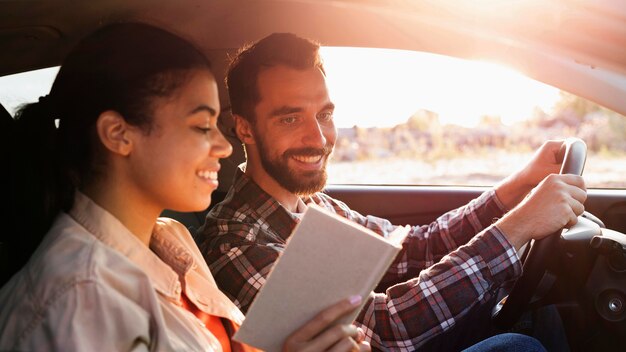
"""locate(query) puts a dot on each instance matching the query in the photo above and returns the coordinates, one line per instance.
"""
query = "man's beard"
(300, 183)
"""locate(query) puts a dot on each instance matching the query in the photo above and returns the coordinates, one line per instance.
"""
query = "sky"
(385, 87)
(25, 87)
(382, 87)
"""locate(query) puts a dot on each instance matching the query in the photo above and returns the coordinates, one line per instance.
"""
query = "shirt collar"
(261, 206)
(300, 208)
(109, 230)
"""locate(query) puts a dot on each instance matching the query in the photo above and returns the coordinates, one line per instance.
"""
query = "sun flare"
(378, 87)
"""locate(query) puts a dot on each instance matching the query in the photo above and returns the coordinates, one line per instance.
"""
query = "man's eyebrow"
(285, 110)
(203, 107)
(329, 106)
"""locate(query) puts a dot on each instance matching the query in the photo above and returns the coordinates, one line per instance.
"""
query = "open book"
(328, 258)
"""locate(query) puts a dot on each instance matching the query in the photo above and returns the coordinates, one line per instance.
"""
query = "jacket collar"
(109, 230)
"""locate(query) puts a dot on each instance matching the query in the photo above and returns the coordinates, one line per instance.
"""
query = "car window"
(409, 118)
(25, 87)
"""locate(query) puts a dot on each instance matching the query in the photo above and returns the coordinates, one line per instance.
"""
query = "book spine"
(368, 285)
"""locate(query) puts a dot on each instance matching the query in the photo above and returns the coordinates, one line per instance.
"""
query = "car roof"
(576, 45)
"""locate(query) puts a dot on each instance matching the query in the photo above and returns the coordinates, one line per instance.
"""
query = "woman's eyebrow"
(200, 108)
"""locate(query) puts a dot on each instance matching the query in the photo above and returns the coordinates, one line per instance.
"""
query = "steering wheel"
(510, 308)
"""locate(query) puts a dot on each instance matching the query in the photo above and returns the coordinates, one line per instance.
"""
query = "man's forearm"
(411, 313)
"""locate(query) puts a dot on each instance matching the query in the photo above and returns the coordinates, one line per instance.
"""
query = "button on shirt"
(444, 269)
(93, 286)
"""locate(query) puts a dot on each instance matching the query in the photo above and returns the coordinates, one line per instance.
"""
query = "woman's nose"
(220, 147)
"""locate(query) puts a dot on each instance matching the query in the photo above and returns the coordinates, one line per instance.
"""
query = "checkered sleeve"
(240, 271)
(428, 244)
(409, 314)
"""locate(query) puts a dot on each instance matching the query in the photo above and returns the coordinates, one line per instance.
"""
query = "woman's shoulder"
(63, 255)
(67, 264)
(67, 256)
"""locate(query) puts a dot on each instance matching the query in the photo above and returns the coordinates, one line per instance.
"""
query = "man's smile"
(307, 159)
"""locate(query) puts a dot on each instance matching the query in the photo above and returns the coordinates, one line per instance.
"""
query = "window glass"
(26, 87)
(414, 118)
(410, 118)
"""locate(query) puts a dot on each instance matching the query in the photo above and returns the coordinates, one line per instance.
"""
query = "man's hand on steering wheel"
(554, 204)
(546, 160)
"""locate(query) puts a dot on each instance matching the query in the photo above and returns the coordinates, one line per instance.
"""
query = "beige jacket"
(93, 286)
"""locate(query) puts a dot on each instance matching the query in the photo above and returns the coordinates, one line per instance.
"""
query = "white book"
(328, 258)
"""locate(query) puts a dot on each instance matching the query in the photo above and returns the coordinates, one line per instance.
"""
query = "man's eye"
(325, 116)
(288, 120)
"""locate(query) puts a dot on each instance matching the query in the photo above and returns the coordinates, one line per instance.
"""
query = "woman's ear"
(243, 129)
(114, 132)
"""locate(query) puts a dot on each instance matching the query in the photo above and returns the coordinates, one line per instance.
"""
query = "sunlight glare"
(383, 87)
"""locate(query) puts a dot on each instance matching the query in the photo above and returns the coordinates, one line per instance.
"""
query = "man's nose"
(313, 134)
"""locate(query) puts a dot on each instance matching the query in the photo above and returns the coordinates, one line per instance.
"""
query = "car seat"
(6, 134)
(24, 206)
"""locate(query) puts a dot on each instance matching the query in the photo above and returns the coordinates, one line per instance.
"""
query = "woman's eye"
(204, 130)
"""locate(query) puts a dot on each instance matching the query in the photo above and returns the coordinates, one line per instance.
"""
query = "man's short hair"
(276, 49)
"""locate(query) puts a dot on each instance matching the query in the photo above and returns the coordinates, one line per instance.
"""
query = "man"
(446, 271)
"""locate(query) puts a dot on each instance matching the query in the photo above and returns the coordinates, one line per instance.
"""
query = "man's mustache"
(309, 151)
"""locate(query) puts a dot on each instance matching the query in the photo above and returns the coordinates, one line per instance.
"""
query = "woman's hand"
(319, 335)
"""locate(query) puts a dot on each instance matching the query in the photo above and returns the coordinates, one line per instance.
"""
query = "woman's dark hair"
(120, 67)
(276, 49)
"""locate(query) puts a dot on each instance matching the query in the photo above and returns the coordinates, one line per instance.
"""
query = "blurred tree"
(423, 120)
(572, 104)
(490, 121)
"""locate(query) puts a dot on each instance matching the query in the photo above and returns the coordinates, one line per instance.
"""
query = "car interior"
(578, 46)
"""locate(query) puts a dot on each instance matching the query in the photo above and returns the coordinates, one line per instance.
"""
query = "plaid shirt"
(444, 269)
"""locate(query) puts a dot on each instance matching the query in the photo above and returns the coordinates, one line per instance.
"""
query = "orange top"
(215, 325)
(212, 322)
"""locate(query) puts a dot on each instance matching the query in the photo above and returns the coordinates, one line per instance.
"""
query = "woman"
(137, 110)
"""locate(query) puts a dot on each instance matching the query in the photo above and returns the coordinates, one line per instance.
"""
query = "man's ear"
(114, 132)
(243, 129)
